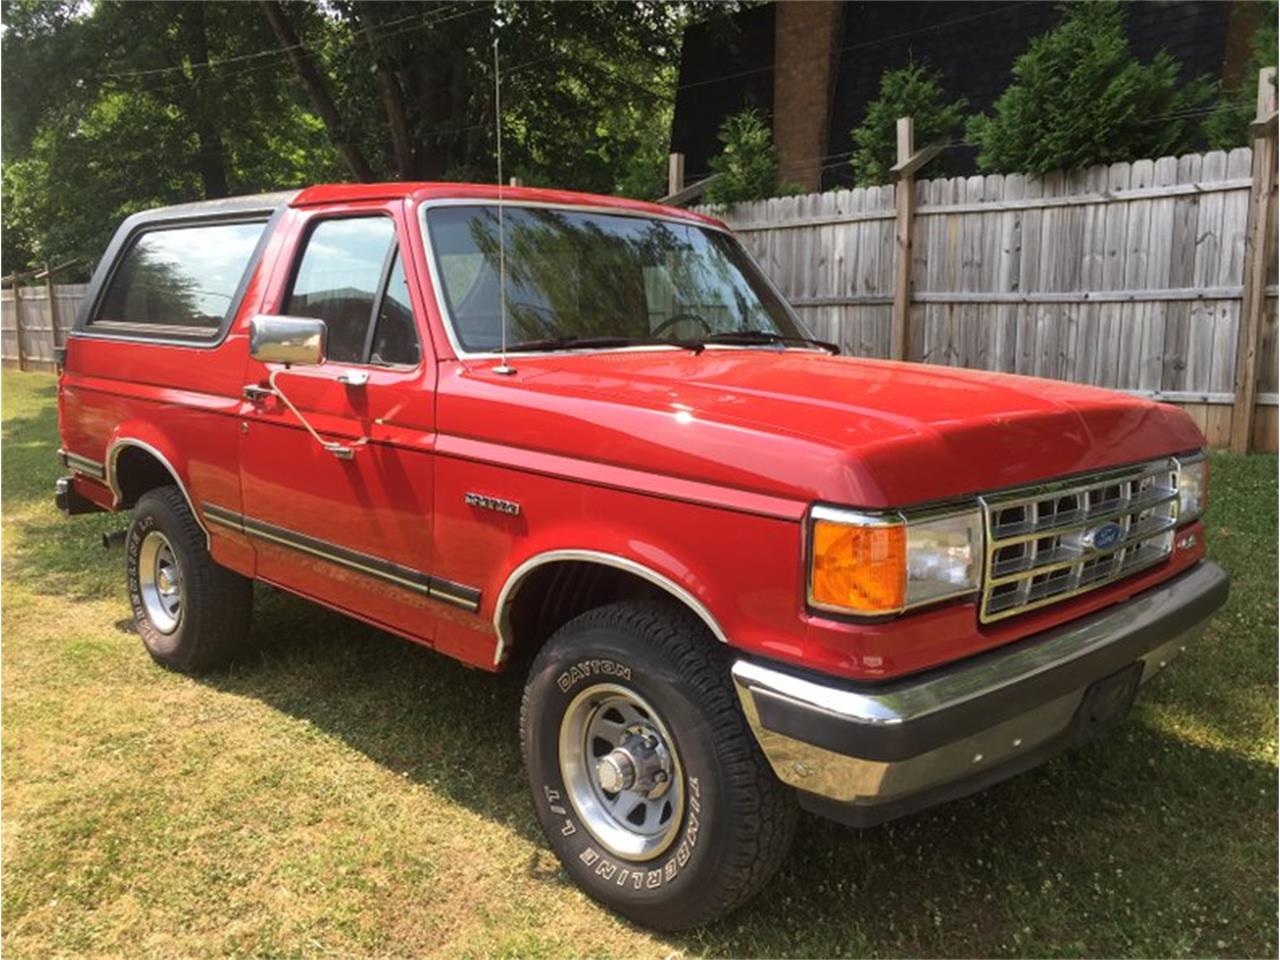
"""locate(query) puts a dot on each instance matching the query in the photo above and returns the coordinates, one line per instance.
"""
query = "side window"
(180, 280)
(341, 280)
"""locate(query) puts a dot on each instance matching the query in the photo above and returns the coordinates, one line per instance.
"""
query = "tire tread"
(764, 809)
(219, 602)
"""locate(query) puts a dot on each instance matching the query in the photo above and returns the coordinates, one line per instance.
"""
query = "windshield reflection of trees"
(577, 275)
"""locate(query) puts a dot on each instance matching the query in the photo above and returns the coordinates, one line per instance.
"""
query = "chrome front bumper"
(866, 753)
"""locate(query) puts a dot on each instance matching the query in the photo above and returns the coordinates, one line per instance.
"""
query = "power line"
(450, 12)
(225, 76)
(447, 13)
(430, 18)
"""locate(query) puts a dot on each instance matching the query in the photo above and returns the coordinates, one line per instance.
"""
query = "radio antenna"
(502, 367)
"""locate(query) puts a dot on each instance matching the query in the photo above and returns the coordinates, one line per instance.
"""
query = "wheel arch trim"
(506, 596)
(113, 481)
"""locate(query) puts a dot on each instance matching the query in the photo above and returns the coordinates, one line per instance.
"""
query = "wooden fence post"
(17, 319)
(53, 305)
(1262, 211)
(904, 195)
(675, 173)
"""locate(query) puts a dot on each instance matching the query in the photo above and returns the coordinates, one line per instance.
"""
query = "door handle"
(255, 393)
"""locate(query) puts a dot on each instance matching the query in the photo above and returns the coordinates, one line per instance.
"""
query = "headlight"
(1193, 476)
(877, 564)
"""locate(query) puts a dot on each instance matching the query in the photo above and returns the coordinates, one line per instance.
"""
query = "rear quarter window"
(179, 280)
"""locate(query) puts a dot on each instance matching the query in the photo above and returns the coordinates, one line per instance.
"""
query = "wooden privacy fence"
(34, 321)
(1130, 276)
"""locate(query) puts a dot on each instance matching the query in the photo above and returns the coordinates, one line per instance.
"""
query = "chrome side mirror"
(287, 340)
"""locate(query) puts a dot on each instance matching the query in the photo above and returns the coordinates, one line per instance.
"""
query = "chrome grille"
(1058, 540)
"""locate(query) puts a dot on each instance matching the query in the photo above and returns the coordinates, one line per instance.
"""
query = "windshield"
(583, 274)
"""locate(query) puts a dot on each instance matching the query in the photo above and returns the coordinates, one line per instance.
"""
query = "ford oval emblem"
(1104, 537)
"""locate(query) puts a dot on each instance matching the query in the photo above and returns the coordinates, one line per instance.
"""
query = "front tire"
(646, 779)
(192, 614)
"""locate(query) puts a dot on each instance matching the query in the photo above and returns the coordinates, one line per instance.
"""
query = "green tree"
(1080, 97)
(1228, 125)
(746, 168)
(114, 106)
(916, 91)
(408, 87)
(121, 106)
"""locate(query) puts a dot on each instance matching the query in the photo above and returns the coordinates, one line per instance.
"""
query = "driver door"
(349, 529)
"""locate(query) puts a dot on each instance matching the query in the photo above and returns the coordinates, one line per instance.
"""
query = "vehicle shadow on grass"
(967, 878)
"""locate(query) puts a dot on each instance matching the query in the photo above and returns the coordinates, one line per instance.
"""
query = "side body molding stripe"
(85, 465)
(436, 588)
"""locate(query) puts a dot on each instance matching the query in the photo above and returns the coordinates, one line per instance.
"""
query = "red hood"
(805, 426)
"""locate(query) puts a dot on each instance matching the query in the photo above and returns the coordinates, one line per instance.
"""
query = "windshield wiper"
(600, 343)
(696, 345)
(750, 337)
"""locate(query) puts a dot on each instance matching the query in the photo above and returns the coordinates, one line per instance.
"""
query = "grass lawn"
(346, 793)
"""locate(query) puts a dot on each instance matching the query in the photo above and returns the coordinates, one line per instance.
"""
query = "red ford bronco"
(587, 433)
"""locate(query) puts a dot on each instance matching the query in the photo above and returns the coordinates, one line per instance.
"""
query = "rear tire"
(639, 690)
(192, 614)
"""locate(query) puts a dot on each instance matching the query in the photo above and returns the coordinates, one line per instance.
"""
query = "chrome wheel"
(160, 582)
(621, 771)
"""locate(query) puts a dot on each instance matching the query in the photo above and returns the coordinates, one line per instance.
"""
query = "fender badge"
(492, 503)
(1187, 541)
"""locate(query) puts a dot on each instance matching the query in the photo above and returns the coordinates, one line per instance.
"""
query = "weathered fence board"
(37, 323)
(1127, 276)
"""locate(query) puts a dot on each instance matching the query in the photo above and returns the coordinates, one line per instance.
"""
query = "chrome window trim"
(442, 307)
(506, 596)
(883, 518)
(397, 251)
(207, 214)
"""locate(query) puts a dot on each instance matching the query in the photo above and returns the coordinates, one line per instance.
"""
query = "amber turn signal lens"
(862, 569)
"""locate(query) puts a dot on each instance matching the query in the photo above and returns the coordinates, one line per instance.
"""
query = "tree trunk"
(211, 160)
(438, 94)
(310, 76)
(392, 101)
